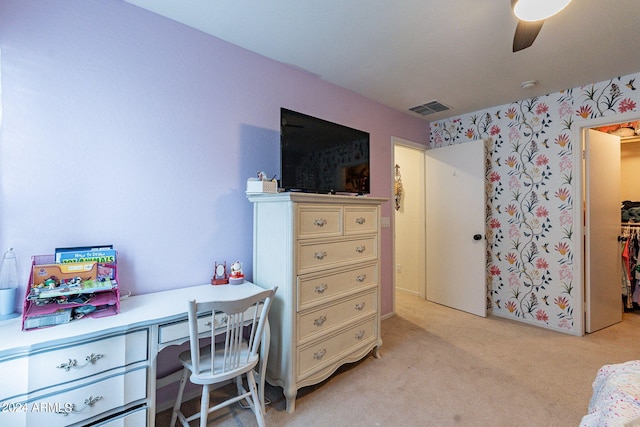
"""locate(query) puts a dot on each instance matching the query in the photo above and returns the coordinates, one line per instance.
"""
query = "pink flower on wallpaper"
(542, 108)
(565, 324)
(511, 161)
(542, 160)
(513, 280)
(495, 270)
(562, 248)
(511, 306)
(511, 112)
(566, 163)
(495, 130)
(561, 302)
(494, 177)
(512, 209)
(566, 218)
(584, 111)
(562, 140)
(494, 223)
(470, 133)
(514, 231)
(542, 212)
(563, 194)
(514, 182)
(511, 258)
(565, 273)
(542, 316)
(564, 109)
(514, 134)
(626, 105)
(542, 264)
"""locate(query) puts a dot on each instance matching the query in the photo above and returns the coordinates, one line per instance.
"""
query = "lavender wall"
(122, 127)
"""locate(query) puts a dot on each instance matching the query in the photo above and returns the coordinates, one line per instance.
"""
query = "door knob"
(477, 237)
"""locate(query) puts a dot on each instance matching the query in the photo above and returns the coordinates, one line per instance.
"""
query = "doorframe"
(395, 141)
(578, 135)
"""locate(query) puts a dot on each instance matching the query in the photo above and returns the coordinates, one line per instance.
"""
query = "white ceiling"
(408, 52)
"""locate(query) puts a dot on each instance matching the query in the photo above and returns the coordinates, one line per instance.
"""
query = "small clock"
(220, 274)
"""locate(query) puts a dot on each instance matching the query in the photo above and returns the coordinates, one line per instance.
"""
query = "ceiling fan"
(531, 15)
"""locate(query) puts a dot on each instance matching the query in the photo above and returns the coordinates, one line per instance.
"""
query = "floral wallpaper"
(529, 189)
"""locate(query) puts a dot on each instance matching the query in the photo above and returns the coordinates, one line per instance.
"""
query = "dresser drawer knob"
(361, 220)
(361, 249)
(320, 255)
(360, 334)
(318, 355)
(321, 288)
(361, 278)
(320, 321)
(73, 363)
(360, 306)
(321, 222)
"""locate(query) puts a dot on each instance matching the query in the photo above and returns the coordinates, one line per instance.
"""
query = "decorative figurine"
(220, 274)
(236, 277)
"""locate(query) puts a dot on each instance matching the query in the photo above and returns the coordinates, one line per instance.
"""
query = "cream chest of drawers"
(323, 253)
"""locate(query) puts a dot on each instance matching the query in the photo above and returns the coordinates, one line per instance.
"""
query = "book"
(99, 254)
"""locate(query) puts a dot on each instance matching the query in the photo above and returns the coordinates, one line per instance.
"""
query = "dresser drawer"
(311, 323)
(315, 289)
(360, 220)
(88, 401)
(318, 221)
(318, 255)
(70, 363)
(318, 355)
(134, 418)
(15, 381)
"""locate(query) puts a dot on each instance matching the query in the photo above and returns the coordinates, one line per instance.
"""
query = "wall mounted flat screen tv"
(319, 156)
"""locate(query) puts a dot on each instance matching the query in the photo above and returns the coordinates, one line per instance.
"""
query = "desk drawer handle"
(73, 363)
(321, 288)
(320, 255)
(361, 249)
(361, 220)
(89, 402)
(361, 278)
(360, 306)
(321, 222)
(320, 320)
(318, 355)
(360, 334)
(223, 322)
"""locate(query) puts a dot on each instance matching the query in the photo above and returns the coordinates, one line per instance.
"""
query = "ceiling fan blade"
(526, 33)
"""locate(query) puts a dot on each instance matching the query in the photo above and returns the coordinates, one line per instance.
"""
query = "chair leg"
(257, 402)
(176, 406)
(204, 406)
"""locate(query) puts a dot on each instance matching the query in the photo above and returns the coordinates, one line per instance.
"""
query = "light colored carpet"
(443, 367)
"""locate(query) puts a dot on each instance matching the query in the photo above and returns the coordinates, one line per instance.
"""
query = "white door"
(456, 226)
(603, 301)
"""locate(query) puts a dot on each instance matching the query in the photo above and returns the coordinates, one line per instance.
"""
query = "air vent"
(430, 107)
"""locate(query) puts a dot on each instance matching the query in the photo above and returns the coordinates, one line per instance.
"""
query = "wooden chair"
(233, 356)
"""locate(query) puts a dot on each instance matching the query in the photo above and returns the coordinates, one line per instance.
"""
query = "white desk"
(93, 369)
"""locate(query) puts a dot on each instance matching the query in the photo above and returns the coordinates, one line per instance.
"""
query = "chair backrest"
(236, 326)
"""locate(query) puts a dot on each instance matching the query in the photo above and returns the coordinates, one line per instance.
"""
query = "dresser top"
(292, 196)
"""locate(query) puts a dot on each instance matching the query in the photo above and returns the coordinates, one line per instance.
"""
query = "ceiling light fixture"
(528, 84)
(537, 10)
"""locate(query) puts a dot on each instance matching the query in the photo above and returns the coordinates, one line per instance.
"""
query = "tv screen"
(322, 157)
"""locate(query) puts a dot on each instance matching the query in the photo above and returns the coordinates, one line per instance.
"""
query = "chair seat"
(206, 376)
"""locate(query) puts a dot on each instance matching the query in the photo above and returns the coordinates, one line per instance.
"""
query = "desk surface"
(135, 311)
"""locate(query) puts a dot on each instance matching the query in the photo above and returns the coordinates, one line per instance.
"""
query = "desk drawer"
(314, 289)
(70, 363)
(15, 380)
(179, 331)
(323, 319)
(319, 355)
(318, 255)
(88, 401)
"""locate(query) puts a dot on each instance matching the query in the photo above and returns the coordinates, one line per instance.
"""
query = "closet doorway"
(601, 221)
